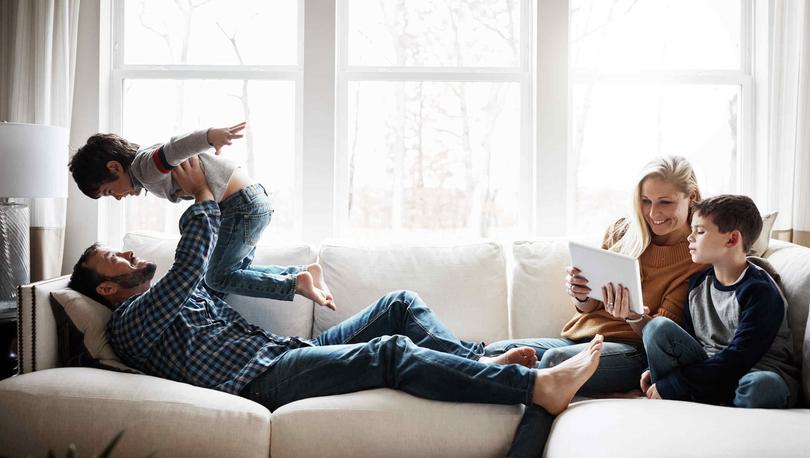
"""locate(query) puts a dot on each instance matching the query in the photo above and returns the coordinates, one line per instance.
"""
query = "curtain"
(37, 63)
(788, 174)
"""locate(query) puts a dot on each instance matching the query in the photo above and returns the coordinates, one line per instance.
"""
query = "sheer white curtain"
(788, 174)
(37, 64)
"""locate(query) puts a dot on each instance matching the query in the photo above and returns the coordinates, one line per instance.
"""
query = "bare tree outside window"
(215, 38)
(641, 88)
(436, 148)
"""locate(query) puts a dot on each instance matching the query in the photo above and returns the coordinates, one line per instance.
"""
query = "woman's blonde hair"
(632, 235)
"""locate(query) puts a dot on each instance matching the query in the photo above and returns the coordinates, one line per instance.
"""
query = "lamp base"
(14, 249)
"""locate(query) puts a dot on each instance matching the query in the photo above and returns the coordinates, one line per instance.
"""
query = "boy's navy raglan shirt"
(741, 327)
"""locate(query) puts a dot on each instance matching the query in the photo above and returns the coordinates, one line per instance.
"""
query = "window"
(650, 78)
(438, 118)
(189, 64)
(436, 97)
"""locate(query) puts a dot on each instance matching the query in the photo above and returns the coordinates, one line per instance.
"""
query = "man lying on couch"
(181, 330)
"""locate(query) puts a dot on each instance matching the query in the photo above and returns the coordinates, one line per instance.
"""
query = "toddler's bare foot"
(305, 286)
(525, 356)
(555, 387)
(317, 277)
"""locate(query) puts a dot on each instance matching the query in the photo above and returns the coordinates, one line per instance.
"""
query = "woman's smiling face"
(665, 208)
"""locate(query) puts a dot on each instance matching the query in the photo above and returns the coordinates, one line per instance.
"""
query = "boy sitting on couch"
(735, 347)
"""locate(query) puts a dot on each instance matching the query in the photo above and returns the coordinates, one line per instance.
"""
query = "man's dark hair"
(89, 165)
(733, 212)
(85, 279)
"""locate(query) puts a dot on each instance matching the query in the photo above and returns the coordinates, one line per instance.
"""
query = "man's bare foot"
(555, 387)
(525, 356)
(305, 286)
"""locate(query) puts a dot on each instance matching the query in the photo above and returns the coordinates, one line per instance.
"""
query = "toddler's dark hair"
(89, 165)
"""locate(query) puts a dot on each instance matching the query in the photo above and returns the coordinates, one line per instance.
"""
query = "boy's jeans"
(398, 343)
(669, 346)
(619, 369)
(245, 214)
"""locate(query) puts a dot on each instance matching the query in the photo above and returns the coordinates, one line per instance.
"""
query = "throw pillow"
(83, 337)
(760, 245)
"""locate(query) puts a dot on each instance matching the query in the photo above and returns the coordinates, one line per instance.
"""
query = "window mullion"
(552, 119)
(318, 116)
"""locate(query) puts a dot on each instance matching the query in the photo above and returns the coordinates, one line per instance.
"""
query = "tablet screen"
(601, 267)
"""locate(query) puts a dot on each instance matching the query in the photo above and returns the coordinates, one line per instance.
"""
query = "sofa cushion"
(88, 407)
(465, 283)
(386, 422)
(539, 306)
(644, 428)
(793, 263)
(280, 317)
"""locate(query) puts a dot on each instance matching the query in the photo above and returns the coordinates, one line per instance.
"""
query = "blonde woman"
(655, 232)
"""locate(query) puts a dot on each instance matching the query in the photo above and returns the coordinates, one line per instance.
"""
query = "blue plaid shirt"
(181, 330)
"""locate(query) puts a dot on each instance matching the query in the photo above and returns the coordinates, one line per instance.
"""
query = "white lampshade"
(33, 160)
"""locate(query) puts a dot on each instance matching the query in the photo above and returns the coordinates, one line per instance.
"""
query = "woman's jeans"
(620, 369)
(669, 346)
(398, 343)
(245, 214)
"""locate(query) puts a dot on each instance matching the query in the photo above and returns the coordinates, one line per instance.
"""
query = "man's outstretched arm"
(144, 319)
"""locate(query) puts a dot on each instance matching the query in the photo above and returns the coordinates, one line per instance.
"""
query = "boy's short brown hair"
(732, 212)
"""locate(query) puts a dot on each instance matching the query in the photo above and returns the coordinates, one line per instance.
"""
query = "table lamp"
(33, 163)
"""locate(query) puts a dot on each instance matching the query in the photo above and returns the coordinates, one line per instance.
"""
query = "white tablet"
(601, 267)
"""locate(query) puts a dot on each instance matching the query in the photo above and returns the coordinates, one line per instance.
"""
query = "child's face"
(119, 187)
(665, 208)
(707, 245)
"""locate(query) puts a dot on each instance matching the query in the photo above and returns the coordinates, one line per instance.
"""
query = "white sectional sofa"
(482, 290)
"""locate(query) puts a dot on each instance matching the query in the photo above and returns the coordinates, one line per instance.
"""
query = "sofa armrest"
(36, 326)
(50, 409)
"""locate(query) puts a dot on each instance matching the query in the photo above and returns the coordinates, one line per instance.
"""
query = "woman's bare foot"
(556, 386)
(525, 356)
(305, 286)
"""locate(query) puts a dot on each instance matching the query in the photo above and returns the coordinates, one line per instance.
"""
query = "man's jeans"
(619, 369)
(245, 214)
(669, 346)
(398, 343)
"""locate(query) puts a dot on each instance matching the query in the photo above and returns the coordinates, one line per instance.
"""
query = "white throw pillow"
(90, 319)
(760, 245)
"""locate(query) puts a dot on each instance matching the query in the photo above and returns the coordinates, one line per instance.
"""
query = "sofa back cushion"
(539, 306)
(793, 264)
(284, 318)
(465, 284)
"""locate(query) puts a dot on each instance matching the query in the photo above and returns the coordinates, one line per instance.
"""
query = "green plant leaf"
(109, 448)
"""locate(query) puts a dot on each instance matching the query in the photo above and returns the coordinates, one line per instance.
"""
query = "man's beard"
(137, 278)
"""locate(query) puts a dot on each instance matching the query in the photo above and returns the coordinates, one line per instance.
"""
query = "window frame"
(112, 213)
(322, 76)
(743, 177)
(347, 74)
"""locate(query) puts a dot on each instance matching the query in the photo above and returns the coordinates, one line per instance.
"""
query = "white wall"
(81, 225)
